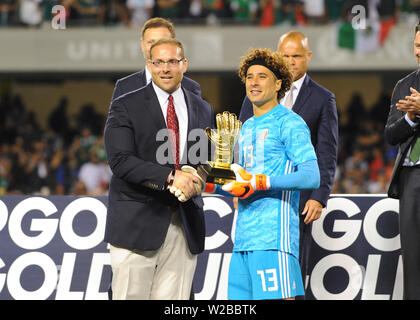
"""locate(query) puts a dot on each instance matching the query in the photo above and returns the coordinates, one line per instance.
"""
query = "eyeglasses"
(173, 63)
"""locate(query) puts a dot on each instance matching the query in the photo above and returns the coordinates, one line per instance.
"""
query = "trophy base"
(212, 174)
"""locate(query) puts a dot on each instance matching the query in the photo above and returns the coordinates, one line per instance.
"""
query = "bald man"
(316, 105)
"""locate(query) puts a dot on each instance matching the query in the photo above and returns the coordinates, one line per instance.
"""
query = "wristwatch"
(171, 179)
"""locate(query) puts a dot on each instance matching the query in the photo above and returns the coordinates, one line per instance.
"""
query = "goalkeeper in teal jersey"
(276, 160)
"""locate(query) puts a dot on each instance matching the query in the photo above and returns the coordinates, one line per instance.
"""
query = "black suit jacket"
(137, 80)
(139, 205)
(316, 105)
(398, 131)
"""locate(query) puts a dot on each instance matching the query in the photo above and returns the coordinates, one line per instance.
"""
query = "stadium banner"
(87, 49)
(52, 248)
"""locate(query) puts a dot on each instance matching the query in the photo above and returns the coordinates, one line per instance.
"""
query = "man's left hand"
(312, 210)
(246, 183)
(411, 104)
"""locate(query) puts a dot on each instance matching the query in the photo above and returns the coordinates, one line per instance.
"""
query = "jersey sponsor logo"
(263, 135)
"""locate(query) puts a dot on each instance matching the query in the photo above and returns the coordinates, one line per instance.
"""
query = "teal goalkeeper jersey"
(272, 144)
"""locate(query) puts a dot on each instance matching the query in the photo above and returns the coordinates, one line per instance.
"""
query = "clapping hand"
(411, 104)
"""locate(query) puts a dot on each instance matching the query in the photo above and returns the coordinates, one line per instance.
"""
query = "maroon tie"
(173, 126)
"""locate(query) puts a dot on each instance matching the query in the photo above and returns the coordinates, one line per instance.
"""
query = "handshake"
(186, 184)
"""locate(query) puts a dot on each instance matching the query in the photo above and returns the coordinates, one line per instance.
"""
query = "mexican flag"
(367, 39)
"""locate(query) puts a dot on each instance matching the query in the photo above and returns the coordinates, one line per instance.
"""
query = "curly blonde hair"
(271, 60)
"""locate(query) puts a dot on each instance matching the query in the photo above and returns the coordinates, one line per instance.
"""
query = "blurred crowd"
(68, 157)
(133, 13)
(365, 160)
(62, 159)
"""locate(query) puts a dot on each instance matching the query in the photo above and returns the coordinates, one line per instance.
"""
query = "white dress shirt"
(148, 75)
(181, 112)
(407, 161)
(297, 85)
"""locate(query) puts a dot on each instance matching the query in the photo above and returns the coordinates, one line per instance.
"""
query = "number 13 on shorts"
(264, 274)
(269, 279)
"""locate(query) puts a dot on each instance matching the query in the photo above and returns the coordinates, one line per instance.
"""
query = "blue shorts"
(265, 274)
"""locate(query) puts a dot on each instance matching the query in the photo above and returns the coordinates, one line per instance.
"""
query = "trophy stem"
(221, 165)
(212, 173)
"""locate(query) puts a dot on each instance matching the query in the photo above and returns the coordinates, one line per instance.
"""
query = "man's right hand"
(186, 183)
(411, 104)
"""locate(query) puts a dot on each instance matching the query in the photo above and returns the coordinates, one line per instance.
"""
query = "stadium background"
(56, 83)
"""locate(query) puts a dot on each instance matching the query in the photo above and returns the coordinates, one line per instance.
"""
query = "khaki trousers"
(163, 274)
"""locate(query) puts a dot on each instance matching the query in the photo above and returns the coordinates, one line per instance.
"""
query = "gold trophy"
(224, 139)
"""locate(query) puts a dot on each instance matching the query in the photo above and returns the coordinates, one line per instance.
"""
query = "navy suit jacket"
(316, 105)
(398, 131)
(137, 80)
(139, 205)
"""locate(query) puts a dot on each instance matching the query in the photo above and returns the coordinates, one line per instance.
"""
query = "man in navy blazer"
(316, 105)
(154, 237)
(402, 129)
(153, 30)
